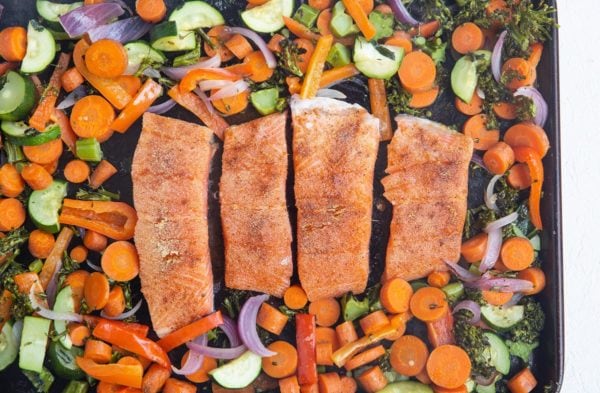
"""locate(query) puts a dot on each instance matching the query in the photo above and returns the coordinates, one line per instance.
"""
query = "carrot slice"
(408, 355)
(397, 321)
(116, 302)
(283, 363)
(441, 332)
(337, 74)
(176, 386)
(130, 83)
(426, 30)
(12, 214)
(36, 176)
(289, 385)
(102, 173)
(517, 253)
(271, 319)
(91, 117)
(505, 110)
(518, 72)
(467, 38)
(535, 54)
(145, 97)
(428, 304)
(373, 380)
(218, 37)
(536, 276)
(201, 375)
(395, 295)
(45, 153)
(449, 366)
(473, 107)
(365, 357)
(327, 335)
(11, 182)
(356, 11)
(519, 177)
(95, 241)
(348, 384)
(374, 322)
(155, 378)
(79, 254)
(476, 128)
(71, 79)
(417, 72)
(151, 11)
(78, 333)
(438, 279)
(106, 58)
(499, 158)
(319, 4)
(496, 298)
(76, 281)
(96, 291)
(308, 49)
(40, 243)
(295, 297)
(424, 99)
(120, 261)
(401, 40)
(232, 105)
(329, 383)
(6, 302)
(76, 171)
(239, 46)
(13, 43)
(523, 382)
(323, 21)
(346, 333)
(529, 135)
(473, 249)
(97, 351)
(324, 352)
(326, 311)
(274, 44)
(191, 331)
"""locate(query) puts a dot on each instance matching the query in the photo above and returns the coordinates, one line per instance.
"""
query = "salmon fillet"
(335, 147)
(256, 226)
(427, 184)
(170, 190)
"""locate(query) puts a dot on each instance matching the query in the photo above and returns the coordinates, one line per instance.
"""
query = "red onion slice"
(492, 250)
(214, 84)
(124, 315)
(461, 273)
(177, 73)
(84, 18)
(194, 360)
(541, 107)
(122, 4)
(331, 93)
(49, 314)
(489, 196)
(205, 100)
(497, 56)
(476, 159)
(514, 300)
(218, 353)
(162, 107)
(124, 30)
(501, 284)
(230, 91)
(402, 13)
(72, 98)
(93, 266)
(247, 326)
(1, 10)
(258, 41)
(229, 327)
(469, 305)
(501, 222)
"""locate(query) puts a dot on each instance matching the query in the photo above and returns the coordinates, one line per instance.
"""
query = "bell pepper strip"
(109, 88)
(343, 354)
(306, 342)
(136, 328)
(129, 341)
(299, 30)
(357, 13)
(312, 79)
(191, 79)
(5, 67)
(337, 74)
(45, 109)
(144, 98)
(194, 104)
(66, 131)
(191, 331)
(533, 160)
(440, 332)
(55, 258)
(379, 107)
(119, 374)
(425, 30)
(113, 219)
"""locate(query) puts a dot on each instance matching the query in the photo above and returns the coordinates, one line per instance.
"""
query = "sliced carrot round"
(496, 298)
(326, 311)
(473, 107)
(94, 241)
(12, 214)
(429, 304)
(536, 276)
(120, 261)
(96, 291)
(283, 363)
(116, 302)
(449, 366)
(13, 43)
(40, 243)
(417, 72)
(517, 253)
(218, 37)
(467, 38)
(232, 105)
(424, 99)
(295, 297)
(528, 135)
(473, 249)
(408, 355)
(91, 117)
(79, 254)
(519, 177)
(505, 110)
(476, 128)
(45, 153)
(106, 58)
(76, 171)
(518, 72)
(395, 295)
(499, 158)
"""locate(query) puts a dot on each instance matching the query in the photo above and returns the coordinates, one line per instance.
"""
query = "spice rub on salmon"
(254, 215)
(170, 172)
(335, 147)
(427, 184)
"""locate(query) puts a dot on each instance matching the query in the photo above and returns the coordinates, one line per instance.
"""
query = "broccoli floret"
(528, 330)
(474, 295)
(473, 341)
(521, 350)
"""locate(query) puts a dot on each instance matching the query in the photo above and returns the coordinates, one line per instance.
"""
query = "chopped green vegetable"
(188, 58)
(342, 24)
(473, 340)
(42, 381)
(353, 308)
(527, 25)
(454, 291)
(101, 194)
(435, 47)
(36, 266)
(528, 330)
(76, 387)
(306, 15)
(521, 349)
(88, 149)
(384, 24)
(265, 101)
(338, 55)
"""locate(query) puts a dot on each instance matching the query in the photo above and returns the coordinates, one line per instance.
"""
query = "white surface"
(580, 111)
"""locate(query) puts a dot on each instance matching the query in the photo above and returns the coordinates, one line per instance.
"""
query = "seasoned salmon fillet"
(427, 184)
(254, 215)
(170, 190)
(335, 147)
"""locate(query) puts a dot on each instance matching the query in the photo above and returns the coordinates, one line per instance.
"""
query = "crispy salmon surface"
(427, 184)
(335, 147)
(256, 225)
(170, 185)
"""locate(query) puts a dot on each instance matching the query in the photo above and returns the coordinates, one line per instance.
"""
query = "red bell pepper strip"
(120, 374)
(191, 331)
(440, 331)
(136, 328)
(536, 171)
(113, 219)
(129, 341)
(46, 106)
(191, 79)
(144, 98)
(194, 104)
(306, 342)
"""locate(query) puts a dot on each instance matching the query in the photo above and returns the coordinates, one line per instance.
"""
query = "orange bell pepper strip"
(129, 341)
(109, 88)
(357, 13)
(46, 106)
(337, 74)
(120, 374)
(115, 220)
(536, 170)
(299, 30)
(312, 80)
(144, 98)
(191, 331)
(136, 328)
(191, 79)
(342, 355)
(194, 104)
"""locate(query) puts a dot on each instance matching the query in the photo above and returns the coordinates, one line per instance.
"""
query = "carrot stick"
(295, 297)
(473, 107)
(357, 13)
(346, 333)
(194, 104)
(337, 74)
(91, 117)
(306, 342)
(467, 38)
(379, 107)
(71, 79)
(374, 322)
(365, 357)
(373, 380)
(529, 135)
(145, 97)
(438, 279)
(191, 331)
(110, 89)
(98, 351)
(13, 43)
(428, 304)
(36, 176)
(289, 385)
(102, 173)
(76, 171)
(60, 246)
(476, 128)
(417, 72)
(326, 311)
(285, 361)
(329, 383)
(42, 114)
(271, 319)
(440, 332)
(536, 276)
(473, 249)
(313, 75)
(155, 378)
(499, 158)
(66, 132)
(151, 11)
(299, 30)
(449, 366)
(523, 382)
(518, 177)
(11, 182)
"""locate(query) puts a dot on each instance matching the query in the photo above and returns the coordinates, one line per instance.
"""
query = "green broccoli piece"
(521, 350)
(528, 330)
(352, 308)
(473, 341)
